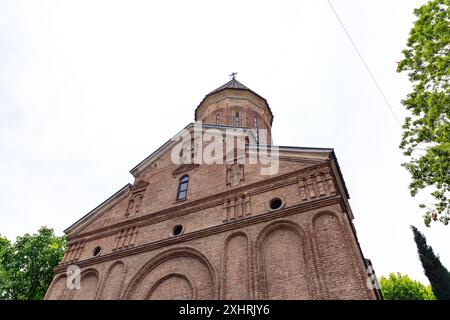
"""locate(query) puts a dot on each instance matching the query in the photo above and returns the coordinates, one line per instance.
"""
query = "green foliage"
(401, 287)
(26, 267)
(426, 132)
(436, 273)
(5, 250)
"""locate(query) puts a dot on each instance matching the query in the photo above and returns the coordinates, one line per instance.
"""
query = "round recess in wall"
(177, 230)
(275, 204)
(96, 251)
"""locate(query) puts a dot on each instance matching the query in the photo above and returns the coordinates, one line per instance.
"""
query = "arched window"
(217, 118)
(255, 121)
(237, 120)
(182, 188)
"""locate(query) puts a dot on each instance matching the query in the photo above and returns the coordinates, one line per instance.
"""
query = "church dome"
(234, 104)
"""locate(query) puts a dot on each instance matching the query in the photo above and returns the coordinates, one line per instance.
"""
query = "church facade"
(267, 222)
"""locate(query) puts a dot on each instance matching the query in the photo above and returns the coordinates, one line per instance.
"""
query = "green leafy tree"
(426, 132)
(27, 265)
(436, 273)
(401, 287)
(5, 251)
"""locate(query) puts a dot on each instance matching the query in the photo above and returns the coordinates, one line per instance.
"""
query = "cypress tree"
(436, 273)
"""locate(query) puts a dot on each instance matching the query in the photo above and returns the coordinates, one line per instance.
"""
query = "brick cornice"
(200, 204)
(268, 216)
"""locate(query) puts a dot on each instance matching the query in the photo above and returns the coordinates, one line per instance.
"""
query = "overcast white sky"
(89, 88)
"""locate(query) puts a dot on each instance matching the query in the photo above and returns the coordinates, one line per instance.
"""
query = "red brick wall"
(306, 250)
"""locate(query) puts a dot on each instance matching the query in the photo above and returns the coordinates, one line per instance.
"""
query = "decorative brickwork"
(236, 207)
(126, 238)
(316, 185)
(73, 252)
(112, 287)
(236, 268)
(235, 174)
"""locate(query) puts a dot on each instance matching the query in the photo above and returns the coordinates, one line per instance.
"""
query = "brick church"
(192, 228)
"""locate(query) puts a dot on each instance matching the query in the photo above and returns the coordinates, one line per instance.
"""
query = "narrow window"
(217, 118)
(255, 121)
(237, 120)
(192, 148)
(182, 189)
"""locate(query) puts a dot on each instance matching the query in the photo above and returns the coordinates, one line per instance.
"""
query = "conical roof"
(232, 84)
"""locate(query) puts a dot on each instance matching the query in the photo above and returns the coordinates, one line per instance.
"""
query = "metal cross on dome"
(233, 75)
